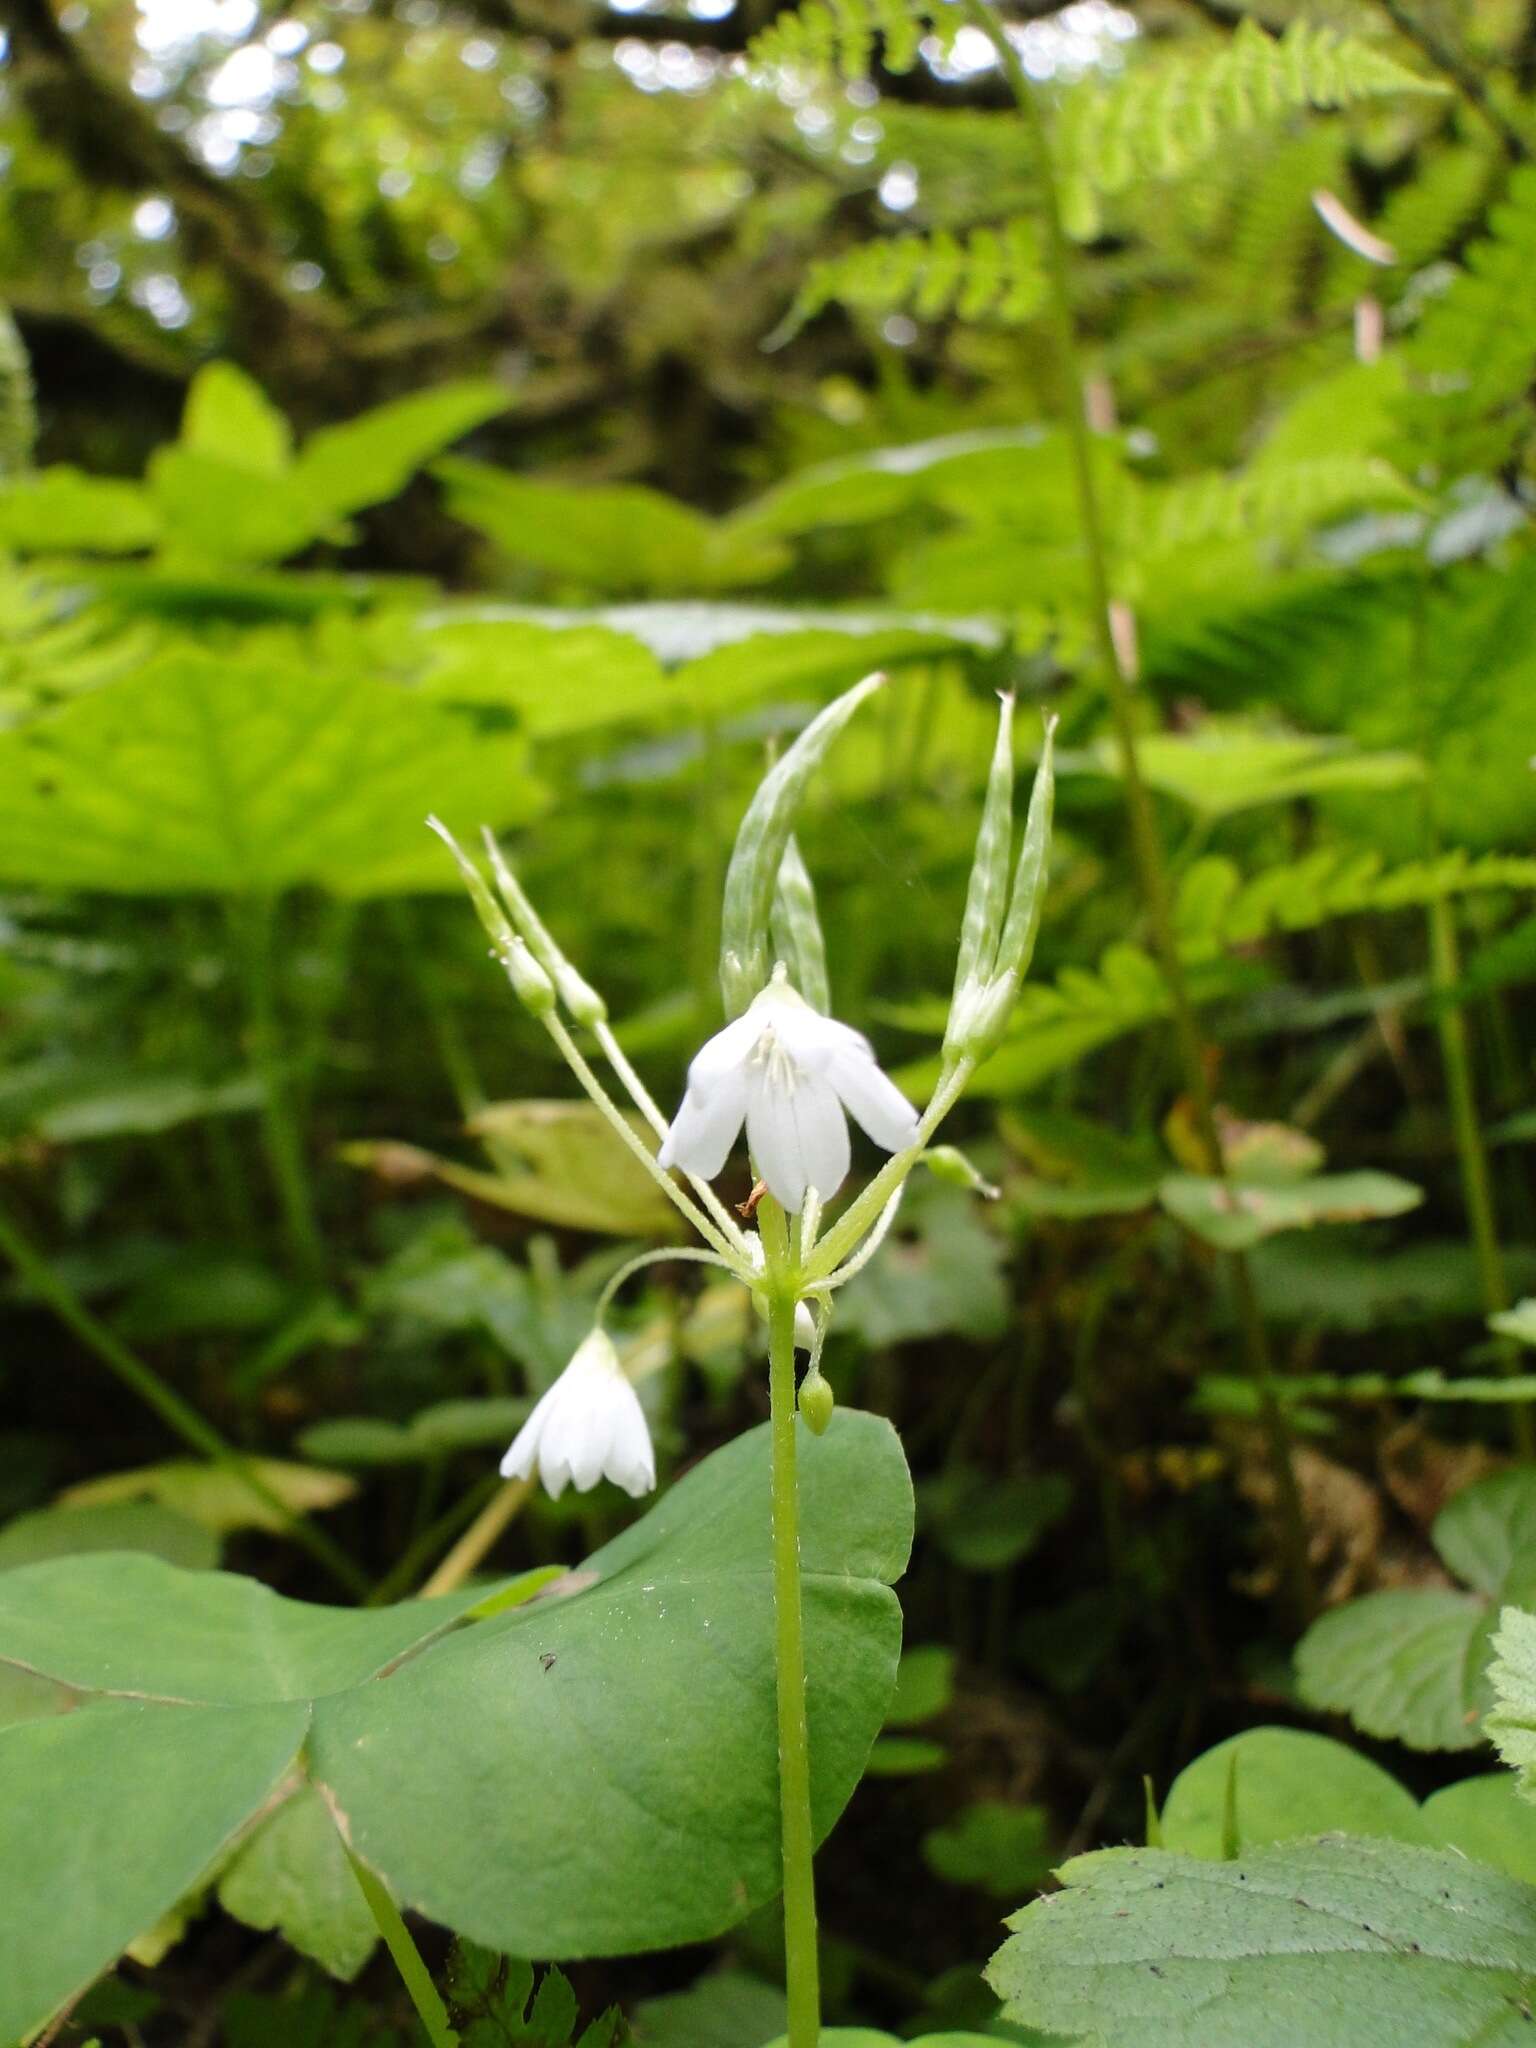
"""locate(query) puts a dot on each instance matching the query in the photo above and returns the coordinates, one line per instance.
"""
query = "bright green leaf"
(292, 1874)
(1336, 1943)
(1288, 1783)
(230, 418)
(365, 460)
(200, 774)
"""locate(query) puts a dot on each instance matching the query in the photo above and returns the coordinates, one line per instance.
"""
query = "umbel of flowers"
(793, 1075)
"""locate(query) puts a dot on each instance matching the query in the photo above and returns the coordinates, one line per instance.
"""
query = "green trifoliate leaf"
(797, 936)
(745, 956)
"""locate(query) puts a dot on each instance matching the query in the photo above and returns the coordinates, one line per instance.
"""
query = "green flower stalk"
(790, 1072)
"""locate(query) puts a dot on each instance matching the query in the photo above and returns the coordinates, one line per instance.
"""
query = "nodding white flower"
(789, 1073)
(588, 1426)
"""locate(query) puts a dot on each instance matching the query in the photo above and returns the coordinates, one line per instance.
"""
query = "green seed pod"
(797, 936)
(817, 1401)
(751, 878)
(487, 909)
(949, 1163)
(1017, 945)
(984, 995)
(530, 984)
(986, 898)
(575, 991)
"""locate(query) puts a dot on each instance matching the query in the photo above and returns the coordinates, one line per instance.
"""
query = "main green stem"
(1476, 1180)
(414, 1973)
(801, 1964)
(1146, 841)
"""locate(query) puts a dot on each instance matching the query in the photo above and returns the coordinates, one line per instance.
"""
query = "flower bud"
(817, 1401)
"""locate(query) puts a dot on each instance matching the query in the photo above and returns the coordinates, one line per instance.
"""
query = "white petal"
(523, 1452)
(724, 1054)
(873, 1100)
(774, 1141)
(798, 1136)
(815, 1042)
(631, 1460)
(705, 1127)
(805, 1328)
(824, 1146)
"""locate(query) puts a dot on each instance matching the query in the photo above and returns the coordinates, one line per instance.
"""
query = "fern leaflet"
(1217, 909)
(1166, 116)
(990, 274)
(841, 36)
(1473, 355)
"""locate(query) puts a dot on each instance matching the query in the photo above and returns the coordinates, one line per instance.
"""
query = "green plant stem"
(645, 1102)
(414, 1974)
(178, 1415)
(1146, 841)
(1471, 1152)
(801, 1964)
(252, 930)
(457, 1060)
(579, 1065)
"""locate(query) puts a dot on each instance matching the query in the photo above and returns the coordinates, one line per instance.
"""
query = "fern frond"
(990, 274)
(841, 36)
(1472, 357)
(1165, 116)
(1287, 498)
(1424, 216)
(1217, 909)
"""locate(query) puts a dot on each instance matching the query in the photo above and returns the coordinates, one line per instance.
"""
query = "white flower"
(789, 1073)
(588, 1426)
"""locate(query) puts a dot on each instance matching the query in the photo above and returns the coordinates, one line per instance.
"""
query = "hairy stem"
(414, 1974)
(801, 1963)
(1146, 841)
(802, 1973)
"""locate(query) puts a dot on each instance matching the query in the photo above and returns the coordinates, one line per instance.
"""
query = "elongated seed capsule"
(487, 909)
(986, 897)
(530, 984)
(1017, 944)
(575, 991)
(797, 938)
(750, 879)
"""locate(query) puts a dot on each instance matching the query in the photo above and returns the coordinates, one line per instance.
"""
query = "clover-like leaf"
(587, 1774)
